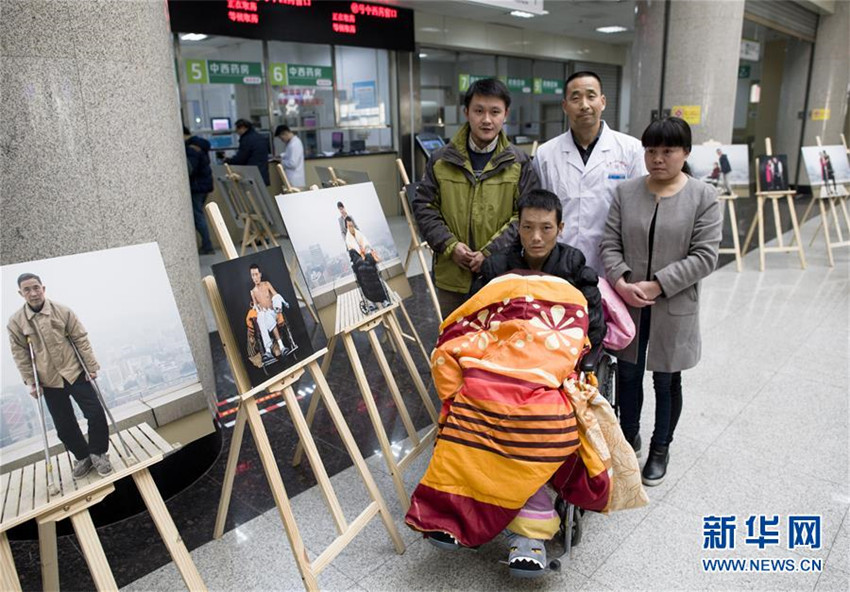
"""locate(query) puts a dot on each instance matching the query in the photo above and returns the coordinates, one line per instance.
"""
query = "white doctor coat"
(293, 162)
(587, 190)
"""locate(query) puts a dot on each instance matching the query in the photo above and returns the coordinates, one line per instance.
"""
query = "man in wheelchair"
(516, 417)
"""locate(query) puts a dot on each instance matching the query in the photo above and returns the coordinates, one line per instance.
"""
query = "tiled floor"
(764, 430)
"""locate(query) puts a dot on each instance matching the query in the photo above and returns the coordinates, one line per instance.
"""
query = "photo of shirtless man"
(266, 301)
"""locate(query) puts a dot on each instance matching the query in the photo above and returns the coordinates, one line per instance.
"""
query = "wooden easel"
(534, 148)
(840, 199)
(336, 181)
(758, 220)
(350, 319)
(25, 496)
(730, 199)
(417, 245)
(257, 231)
(287, 188)
(249, 414)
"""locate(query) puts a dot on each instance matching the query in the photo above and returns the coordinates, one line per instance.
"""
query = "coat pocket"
(684, 303)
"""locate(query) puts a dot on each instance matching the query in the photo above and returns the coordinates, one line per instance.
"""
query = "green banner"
(284, 74)
(223, 72)
(196, 72)
(548, 86)
(522, 85)
(466, 80)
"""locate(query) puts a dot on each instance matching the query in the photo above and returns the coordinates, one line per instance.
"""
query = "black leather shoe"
(656, 466)
(635, 443)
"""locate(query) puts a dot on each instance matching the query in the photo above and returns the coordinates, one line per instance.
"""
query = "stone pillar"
(703, 47)
(646, 58)
(92, 147)
(830, 76)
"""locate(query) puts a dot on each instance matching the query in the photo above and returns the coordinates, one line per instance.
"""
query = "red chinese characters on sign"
(242, 11)
(299, 3)
(342, 17)
(243, 17)
(242, 5)
(344, 28)
(374, 10)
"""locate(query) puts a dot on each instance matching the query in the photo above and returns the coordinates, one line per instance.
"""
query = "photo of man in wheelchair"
(266, 323)
(525, 435)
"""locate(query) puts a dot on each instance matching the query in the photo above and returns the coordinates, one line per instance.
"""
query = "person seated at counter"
(292, 158)
(253, 149)
(466, 204)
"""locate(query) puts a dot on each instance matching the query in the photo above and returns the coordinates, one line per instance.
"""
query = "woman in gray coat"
(661, 238)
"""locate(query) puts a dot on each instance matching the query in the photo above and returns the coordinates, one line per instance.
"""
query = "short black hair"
(186, 131)
(348, 219)
(672, 132)
(280, 129)
(27, 276)
(541, 199)
(255, 266)
(339, 204)
(243, 123)
(582, 74)
(488, 87)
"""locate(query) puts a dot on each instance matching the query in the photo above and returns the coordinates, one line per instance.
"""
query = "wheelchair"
(600, 367)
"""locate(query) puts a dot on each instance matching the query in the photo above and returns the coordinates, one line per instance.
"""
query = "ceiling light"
(193, 37)
(521, 14)
(423, 56)
(612, 29)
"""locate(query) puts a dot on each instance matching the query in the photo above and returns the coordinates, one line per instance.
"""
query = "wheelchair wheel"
(606, 373)
(363, 307)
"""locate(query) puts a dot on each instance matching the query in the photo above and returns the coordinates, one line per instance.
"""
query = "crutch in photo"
(52, 485)
(93, 381)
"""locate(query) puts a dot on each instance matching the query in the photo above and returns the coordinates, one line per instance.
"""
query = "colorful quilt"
(505, 368)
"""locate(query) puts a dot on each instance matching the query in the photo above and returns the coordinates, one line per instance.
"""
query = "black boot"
(656, 465)
(635, 443)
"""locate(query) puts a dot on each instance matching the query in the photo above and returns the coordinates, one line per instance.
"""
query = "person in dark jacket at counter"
(253, 149)
(200, 184)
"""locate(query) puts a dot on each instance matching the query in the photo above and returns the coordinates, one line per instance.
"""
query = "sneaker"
(445, 541)
(209, 251)
(101, 463)
(82, 468)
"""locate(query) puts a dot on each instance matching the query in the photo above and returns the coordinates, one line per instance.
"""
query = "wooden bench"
(25, 496)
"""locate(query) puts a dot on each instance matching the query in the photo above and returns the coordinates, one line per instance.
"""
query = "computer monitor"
(336, 141)
(358, 145)
(429, 142)
(220, 124)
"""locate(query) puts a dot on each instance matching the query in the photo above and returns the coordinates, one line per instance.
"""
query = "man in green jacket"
(466, 204)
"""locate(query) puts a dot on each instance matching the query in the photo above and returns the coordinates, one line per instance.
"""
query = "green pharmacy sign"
(466, 80)
(223, 72)
(548, 86)
(283, 74)
(521, 85)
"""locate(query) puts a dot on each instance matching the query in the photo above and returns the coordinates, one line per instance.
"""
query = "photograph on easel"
(99, 328)
(345, 249)
(827, 167)
(724, 167)
(263, 313)
(773, 173)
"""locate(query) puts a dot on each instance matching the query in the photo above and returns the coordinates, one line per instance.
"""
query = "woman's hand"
(632, 294)
(651, 289)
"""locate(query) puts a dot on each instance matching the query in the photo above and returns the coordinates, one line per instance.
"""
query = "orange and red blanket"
(505, 368)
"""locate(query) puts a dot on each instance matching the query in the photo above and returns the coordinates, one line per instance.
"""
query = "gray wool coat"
(687, 237)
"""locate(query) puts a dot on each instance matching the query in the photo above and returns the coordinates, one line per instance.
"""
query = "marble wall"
(92, 150)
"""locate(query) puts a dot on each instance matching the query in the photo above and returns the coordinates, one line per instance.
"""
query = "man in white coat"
(292, 157)
(584, 166)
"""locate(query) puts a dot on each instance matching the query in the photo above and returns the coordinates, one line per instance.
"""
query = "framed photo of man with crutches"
(87, 337)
